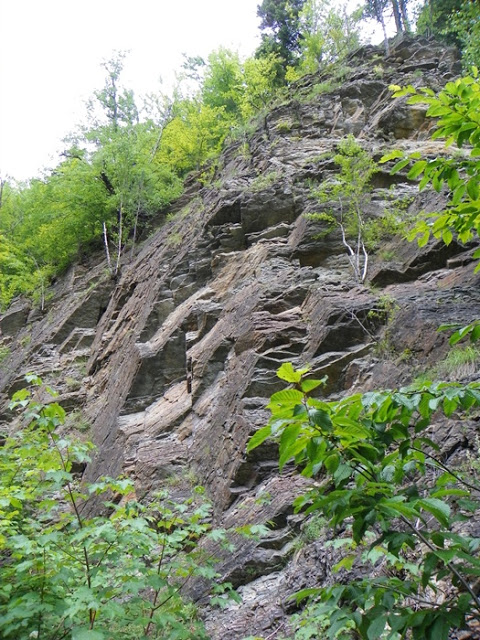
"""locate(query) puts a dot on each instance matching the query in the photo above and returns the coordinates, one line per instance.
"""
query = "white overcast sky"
(51, 50)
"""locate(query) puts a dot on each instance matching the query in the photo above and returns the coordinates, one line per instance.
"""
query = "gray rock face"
(174, 364)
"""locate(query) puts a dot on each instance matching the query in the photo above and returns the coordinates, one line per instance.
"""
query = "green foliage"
(457, 175)
(327, 34)
(456, 106)
(394, 221)
(237, 90)
(259, 76)
(281, 35)
(110, 180)
(67, 575)
(459, 362)
(222, 85)
(466, 23)
(347, 193)
(123, 167)
(4, 352)
(435, 19)
(471, 330)
(265, 180)
(195, 134)
(456, 22)
(380, 479)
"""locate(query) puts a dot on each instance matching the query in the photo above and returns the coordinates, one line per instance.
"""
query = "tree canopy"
(281, 32)
(456, 22)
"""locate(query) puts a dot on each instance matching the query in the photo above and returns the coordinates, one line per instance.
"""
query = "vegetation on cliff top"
(122, 168)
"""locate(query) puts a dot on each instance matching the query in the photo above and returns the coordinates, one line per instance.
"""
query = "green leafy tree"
(466, 23)
(223, 83)
(125, 153)
(372, 459)
(108, 187)
(67, 576)
(259, 76)
(195, 134)
(117, 104)
(343, 199)
(328, 33)
(456, 22)
(281, 35)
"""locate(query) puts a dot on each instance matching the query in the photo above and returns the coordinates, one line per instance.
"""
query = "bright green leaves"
(65, 575)
(456, 107)
(471, 330)
(259, 437)
(343, 199)
(373, 462)
(289, 374)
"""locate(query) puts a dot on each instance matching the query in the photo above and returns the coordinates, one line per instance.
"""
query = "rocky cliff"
(170, 367)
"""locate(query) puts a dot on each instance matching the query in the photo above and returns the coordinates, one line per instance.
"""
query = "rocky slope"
(171, 367)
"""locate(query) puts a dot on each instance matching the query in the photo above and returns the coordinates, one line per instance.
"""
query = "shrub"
(381, 481)
(64, 574)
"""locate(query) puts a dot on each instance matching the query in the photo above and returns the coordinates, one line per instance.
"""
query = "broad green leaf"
(343, 472)
(320, 418)
(400, 165)
(446, 555)
(332, 462)
(439, 509)
(345, 563)
(392, 155)
(310, 384)
(287, 372)
(449, 406)
(440, 629)
(424, 238)
(288, 436)
(447, 236)
(417, 169)
(376, 627)
(259, 437)
(396, 507)
(473, 188)
(305, 593)
(288, 397)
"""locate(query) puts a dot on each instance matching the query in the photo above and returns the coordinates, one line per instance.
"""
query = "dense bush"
(64, 574)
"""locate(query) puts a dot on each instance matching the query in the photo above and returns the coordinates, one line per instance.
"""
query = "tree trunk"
(385, 37)
(105, 242)
(120, 238)
(404, 14)
(397, 16)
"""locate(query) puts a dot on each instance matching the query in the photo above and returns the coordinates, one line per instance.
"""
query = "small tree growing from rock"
(343, 199)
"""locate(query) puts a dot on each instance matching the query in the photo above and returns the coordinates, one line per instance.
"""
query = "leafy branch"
(372, 452)
(63, 575)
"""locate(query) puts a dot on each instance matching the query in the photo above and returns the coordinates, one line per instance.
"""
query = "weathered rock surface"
(173, 364)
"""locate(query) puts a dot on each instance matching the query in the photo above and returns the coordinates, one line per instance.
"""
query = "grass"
(264, 181)
(460, 361)
(4, 352)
